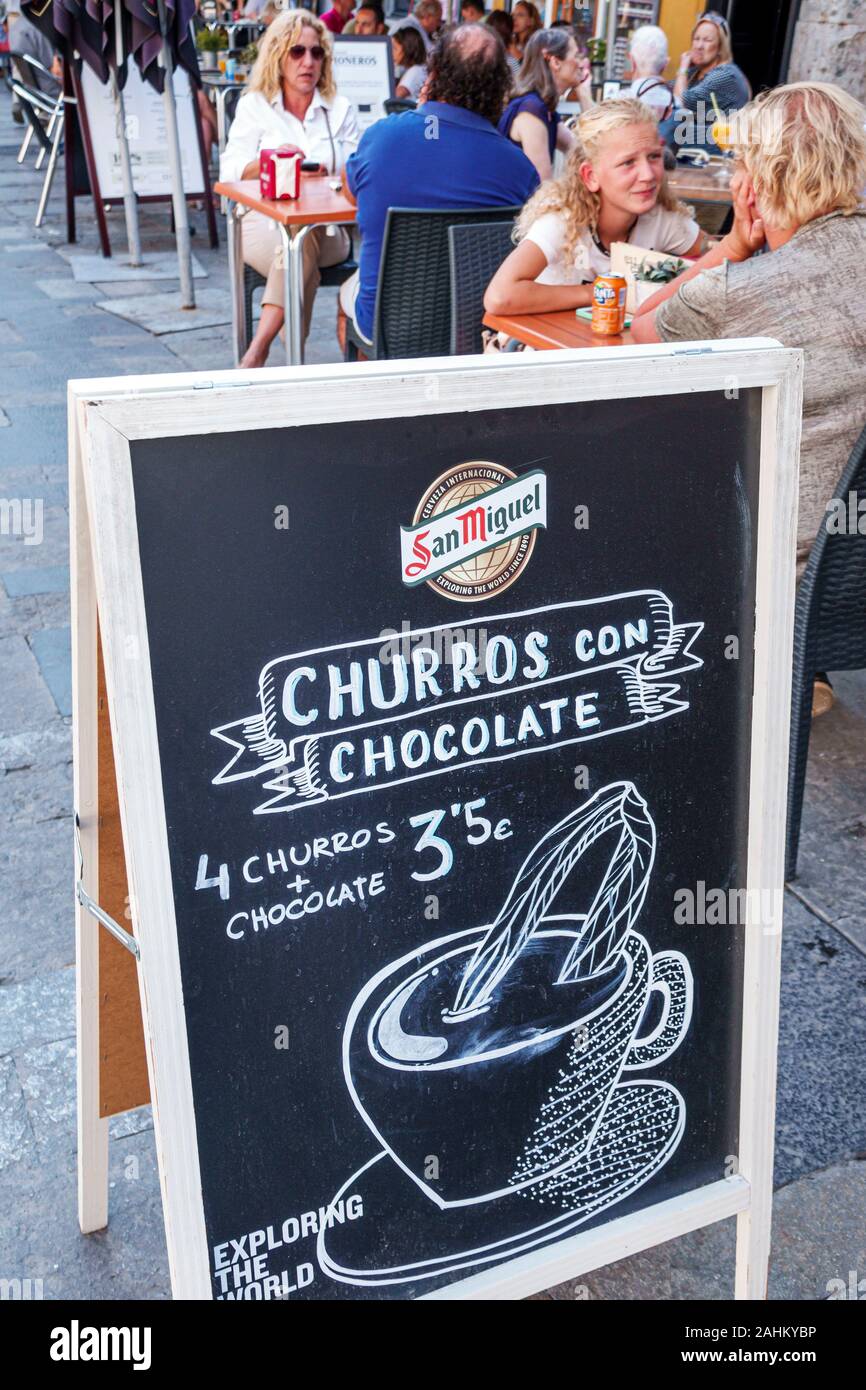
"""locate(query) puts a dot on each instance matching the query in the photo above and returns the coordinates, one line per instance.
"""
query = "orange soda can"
(608, 305)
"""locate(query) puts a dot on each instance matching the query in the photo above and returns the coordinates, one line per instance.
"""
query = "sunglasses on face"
(316, 52)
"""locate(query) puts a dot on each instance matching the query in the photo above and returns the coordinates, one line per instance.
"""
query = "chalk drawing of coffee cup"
(484, 1062)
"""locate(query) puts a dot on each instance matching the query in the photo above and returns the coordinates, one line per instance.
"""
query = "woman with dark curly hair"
(482, 85)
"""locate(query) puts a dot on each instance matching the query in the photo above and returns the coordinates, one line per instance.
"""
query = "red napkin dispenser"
(280, 172)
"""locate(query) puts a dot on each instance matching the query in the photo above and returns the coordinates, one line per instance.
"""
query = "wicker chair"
(412, 317)
(476, 252)
(829, 631)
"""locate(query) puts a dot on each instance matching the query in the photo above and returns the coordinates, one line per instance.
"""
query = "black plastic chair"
(829, 631)
(231, 97)
(475, 253)
(412, 317)
(395, 105)
(331, 275)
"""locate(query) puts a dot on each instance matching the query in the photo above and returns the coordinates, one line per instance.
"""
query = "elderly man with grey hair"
(426, 17)
(649, 58)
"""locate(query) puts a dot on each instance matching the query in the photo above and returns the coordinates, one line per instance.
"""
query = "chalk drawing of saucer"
(641, 1129)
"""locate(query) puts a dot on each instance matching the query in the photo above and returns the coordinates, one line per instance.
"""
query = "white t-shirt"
(653, 91)
(412, 79)
(659, 230)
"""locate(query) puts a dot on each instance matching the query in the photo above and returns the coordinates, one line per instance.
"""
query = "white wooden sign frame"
(104, 416)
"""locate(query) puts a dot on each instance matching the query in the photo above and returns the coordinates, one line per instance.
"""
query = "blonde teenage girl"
(613, 189)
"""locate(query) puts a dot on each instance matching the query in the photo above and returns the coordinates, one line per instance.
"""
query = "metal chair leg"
(49, 174)
(25, 145)
(235, 239)
(49, 131)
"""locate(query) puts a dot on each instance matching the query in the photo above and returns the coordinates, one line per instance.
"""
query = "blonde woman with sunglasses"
(708, 74)
(291, 100)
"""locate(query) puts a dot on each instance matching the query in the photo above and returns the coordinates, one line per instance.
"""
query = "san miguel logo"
(474, 530)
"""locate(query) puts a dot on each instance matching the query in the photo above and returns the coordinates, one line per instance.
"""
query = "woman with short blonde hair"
(291, 100)
(708, 77)
(614, 188)
(804, 149)
(800, 171)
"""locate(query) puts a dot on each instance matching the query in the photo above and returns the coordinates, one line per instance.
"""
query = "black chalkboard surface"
(453, 721)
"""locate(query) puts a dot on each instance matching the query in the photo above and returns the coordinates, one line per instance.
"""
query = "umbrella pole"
(181, 212)
(130, 206)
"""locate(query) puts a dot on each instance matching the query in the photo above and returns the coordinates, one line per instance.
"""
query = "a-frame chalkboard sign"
(449, 709)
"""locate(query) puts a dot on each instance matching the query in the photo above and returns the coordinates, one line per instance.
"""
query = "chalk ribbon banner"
(544, 678)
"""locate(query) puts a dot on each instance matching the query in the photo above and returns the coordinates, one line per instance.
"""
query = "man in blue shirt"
(447, 154)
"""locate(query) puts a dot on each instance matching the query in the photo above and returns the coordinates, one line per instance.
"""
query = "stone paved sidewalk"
(53, 327)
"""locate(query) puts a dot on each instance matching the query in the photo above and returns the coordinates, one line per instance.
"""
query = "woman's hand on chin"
(748, 233)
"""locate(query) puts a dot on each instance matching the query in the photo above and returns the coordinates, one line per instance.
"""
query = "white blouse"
(328, 134)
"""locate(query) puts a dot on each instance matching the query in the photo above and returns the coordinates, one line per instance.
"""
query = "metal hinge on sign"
(117, 931)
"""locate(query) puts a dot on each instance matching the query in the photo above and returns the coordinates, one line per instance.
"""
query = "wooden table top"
(318, 202)
(710, 185)
(560, 329)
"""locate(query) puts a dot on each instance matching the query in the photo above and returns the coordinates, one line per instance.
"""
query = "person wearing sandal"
(291, 100)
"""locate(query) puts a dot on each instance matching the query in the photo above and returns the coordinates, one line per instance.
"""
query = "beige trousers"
(263, 250)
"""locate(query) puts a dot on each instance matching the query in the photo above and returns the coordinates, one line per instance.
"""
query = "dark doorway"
(762, 34)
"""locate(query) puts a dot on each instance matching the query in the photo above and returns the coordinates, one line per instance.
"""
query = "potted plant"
(210, 42)
(650, 276)
(248, 58)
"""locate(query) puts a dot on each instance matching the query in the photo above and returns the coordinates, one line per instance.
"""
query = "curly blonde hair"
(569, 195)
(280, 36)
(804, 148)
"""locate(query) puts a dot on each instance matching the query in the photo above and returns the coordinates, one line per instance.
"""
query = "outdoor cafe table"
(562, 329)
(711, 184)
(319, 204)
